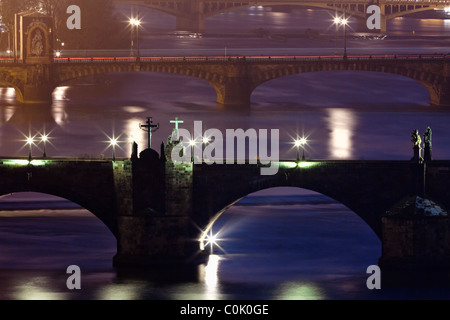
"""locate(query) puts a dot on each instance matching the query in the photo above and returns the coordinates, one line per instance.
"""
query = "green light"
(20, 163)
(15, 162)
(38, 162)
(300, 164)
(306, 164)
(287, 165)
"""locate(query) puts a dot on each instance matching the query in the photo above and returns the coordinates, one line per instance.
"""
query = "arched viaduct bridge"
(191, 14)
(233, 78)
(159, 210)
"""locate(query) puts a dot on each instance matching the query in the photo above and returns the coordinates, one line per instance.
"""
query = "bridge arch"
(235, 80)
(210, 78)
(63, 194)
(344, 88)
(55, 216)
(76, 71)
(9, 81)
(359, 191)
(284, 197)
(428, 79)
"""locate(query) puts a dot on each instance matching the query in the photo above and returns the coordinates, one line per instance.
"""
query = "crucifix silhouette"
(149, 128)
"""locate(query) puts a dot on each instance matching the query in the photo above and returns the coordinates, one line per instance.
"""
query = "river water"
(279, 244)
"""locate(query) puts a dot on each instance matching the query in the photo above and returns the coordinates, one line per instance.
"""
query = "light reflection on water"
(133, 290)
(209, 276)
(299, 291)
(59, 111)
(37, 288)
(342, 126)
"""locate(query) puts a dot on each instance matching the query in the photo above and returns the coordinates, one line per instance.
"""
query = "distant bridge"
(191, 14)
(233, 78)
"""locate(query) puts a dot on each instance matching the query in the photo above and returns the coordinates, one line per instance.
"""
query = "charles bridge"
(160, 210)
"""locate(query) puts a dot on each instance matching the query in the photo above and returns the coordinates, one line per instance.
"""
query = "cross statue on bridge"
(149, 128)
(175, 136)
(176, 121)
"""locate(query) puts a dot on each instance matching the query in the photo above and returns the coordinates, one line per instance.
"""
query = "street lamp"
(132, 24)
(59, 47)
(300, 143)
(9, 51)
(336, 21)
(44, 139)
(113, 143)
(30, 142)
(192, 143)
(135, 23)
(344, 22)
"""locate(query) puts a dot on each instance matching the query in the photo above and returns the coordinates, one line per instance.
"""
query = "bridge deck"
(240, 59)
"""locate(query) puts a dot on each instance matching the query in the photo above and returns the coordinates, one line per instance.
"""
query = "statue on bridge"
(427, 144)
(148, 127)
(174, 140)
(417, 141)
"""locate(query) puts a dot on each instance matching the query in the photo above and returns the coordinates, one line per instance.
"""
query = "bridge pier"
(415, 248)
(34, 94)
(415, 236)
(440, 93)
(154, 240)
(235, 93)
(157, 229)
(192, 17)
(191, 22)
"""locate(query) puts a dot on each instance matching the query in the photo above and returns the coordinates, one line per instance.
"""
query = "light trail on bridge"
(237, 58)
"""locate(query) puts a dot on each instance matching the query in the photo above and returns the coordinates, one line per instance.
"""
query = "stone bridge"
(160, 211)
(191, 14)
(234, 78)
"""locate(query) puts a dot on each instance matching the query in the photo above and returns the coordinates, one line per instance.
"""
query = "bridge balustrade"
(244, 58)
(238, 58)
